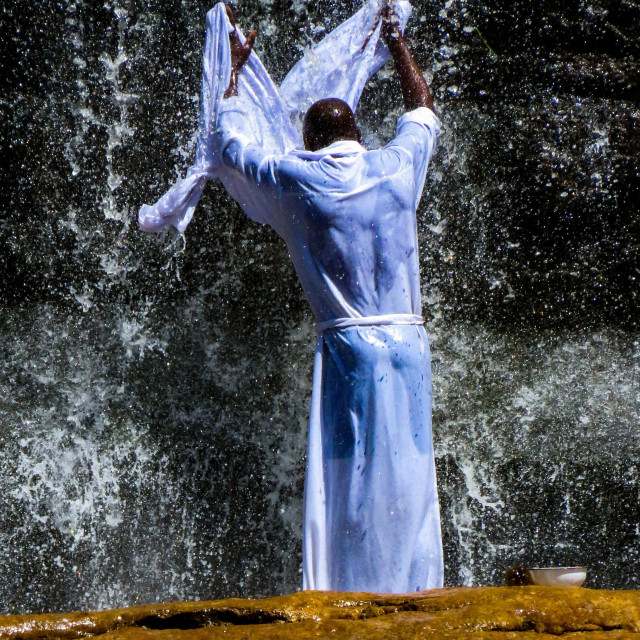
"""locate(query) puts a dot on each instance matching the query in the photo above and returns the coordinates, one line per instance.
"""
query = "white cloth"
(371, 520)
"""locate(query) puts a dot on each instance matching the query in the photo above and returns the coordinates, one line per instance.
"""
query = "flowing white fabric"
(337, 67)
(371, 513)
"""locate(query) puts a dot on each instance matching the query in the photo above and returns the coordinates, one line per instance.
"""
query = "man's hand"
(239, 54)
(415, 91)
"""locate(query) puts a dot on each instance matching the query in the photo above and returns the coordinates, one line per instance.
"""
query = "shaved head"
(328, 121)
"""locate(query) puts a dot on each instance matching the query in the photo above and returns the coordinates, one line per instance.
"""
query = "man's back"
(346, 214)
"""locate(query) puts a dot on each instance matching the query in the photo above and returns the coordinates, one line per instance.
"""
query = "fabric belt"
(369, 321)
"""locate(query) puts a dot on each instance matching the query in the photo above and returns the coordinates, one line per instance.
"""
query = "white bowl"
(558, 576)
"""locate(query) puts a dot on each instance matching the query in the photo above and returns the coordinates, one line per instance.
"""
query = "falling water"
(155, 389)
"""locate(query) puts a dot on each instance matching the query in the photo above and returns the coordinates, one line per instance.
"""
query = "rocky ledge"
(483, 612)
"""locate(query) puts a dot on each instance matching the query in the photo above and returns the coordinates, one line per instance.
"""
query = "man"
(348, 217)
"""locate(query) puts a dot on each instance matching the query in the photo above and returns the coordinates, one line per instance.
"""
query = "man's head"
(328, 121)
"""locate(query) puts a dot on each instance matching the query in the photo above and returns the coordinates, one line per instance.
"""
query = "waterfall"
(154, 390)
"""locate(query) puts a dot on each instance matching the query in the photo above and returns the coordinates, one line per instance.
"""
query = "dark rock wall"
(154, 390)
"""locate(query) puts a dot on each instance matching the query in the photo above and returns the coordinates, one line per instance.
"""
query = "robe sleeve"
(251, 172)
(417, 133)
(259, 180)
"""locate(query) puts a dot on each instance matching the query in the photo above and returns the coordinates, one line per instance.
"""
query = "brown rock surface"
(483, 612)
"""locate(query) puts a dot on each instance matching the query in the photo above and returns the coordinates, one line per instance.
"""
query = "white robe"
(371, 518)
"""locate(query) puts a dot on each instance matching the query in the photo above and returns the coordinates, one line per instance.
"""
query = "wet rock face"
(154, 391)
(445, 613)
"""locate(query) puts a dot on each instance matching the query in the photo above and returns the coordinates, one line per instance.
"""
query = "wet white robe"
(347, 215)
(371, 520)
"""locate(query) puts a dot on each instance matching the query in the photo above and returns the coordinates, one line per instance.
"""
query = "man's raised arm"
(415, 91)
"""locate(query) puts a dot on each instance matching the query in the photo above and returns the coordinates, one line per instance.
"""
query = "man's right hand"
(239, 53)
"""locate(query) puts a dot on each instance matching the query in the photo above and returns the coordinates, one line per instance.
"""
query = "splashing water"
(154, 391)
